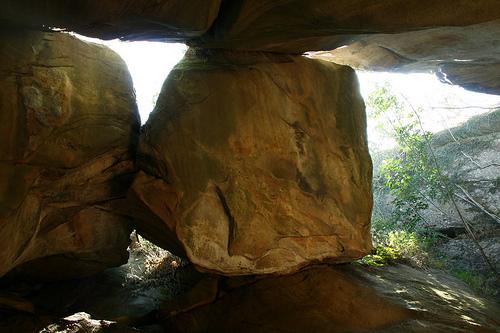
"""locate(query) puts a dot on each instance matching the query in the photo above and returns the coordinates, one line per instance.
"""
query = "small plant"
(473, 280)
(483, 284)
(400, 245)
(381, 256)
(411, 246)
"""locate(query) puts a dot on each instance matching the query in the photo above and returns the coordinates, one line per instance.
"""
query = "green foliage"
(409, 245)
(473, 280)
(411, 177)
(381, 256)
(483, 284)
(381, 228)
(382, 100)
(399, 245)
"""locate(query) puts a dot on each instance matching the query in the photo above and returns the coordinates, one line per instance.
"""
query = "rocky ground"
(157, 292)
(121, 294)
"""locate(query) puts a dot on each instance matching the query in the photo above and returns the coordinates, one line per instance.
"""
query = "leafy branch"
(414, 177)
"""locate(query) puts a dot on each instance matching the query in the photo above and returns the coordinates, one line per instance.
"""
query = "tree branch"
(473, 202)
(466, 107)
(451, 196)
(477, 164)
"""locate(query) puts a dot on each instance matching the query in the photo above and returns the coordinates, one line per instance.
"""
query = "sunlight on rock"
(249, 166)
(415, 305)
(443, 294)
(469, 320)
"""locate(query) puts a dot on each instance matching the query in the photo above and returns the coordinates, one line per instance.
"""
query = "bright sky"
(425, 92)
(149, 63)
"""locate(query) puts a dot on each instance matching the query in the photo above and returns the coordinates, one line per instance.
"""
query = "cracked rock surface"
(68, 125)
(255, 163)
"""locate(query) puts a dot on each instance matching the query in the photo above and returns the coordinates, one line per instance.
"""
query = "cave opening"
(434, 148)
(452, 122)
(149, 63)
(459, 127)
(409, 135)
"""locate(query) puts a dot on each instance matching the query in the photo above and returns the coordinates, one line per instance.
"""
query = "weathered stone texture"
(457, 39)
(466, 56)
(340, 298)
(470, 155)
(257, 163)
(83, 322)
(173, 20)
(68, 123)
(295, 26)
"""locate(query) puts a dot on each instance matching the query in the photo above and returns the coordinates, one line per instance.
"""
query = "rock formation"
(423, 36)
(331, 298)
(257, 163)
(83, 322)
(296, 26)
(172, 20)
(341, 298)
(68, 126)
(467, 56)
(470, 155)
(457, 40)
(253, 162)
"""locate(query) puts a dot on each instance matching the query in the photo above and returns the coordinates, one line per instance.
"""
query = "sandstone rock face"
(340, 298)
(174, 20)
(381, 35)
(68, 124)
(295, 26)
(467, 56)
(257, 163)
(471, 158)
(289, 26)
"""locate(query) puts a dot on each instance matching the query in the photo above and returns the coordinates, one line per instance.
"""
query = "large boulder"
(468, 56)
(173, 20)
(321, 298)
(68, 124)
(289, 26)
(256, 163)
